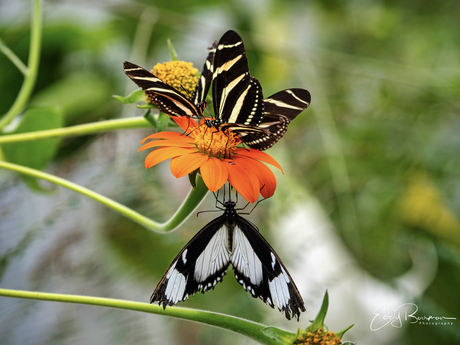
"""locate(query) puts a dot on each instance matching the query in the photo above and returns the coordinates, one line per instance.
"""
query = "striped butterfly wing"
(199, 266)
(168, 99)
(204, 83)
(279, 110)
(260, 271)
(237, 97)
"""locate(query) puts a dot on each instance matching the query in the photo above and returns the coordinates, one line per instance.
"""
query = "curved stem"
(192, 201)
(248, 328)
(87, 128)
(31, 75)
(13, 58)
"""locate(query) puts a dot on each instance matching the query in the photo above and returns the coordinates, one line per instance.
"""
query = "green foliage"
(133, 97)
(34, 154)
(378, 148)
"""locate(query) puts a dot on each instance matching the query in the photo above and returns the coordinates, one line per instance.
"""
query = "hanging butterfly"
(237, 98)
(230, 239)
(169, 100)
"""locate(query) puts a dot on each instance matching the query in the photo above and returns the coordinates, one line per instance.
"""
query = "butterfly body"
(230, 239)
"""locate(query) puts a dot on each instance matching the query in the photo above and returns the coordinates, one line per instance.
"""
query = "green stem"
(31, 75)
(248, 328)
(185, 210)
(13, 58)
(85, 129)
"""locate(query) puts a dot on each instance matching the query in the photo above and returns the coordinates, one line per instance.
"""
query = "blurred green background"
(367, 207)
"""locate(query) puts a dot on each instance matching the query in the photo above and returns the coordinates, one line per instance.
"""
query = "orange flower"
(216, 156)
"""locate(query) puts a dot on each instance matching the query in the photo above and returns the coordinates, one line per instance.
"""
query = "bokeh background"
(368, 207)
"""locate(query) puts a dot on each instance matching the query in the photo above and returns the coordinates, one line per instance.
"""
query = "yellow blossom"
(180, 75)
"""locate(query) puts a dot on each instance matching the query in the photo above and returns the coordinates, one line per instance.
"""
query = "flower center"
(215, 143)
(179, 74)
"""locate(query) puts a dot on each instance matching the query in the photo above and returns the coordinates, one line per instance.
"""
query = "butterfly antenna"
(208, 211)
(216, 196)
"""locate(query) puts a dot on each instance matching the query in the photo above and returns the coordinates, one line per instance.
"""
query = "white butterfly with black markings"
(230, 239)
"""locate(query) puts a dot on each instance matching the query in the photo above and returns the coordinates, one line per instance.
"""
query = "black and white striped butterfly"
(169, 100)
(237, 98)
(230, 239)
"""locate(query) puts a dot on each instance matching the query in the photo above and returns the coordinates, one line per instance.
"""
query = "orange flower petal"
(168, 135)
(185, 122)
(266, 177)
(183, 165)
(247, 185)
(259, 155)
(166, 143)
(163, 153)
(214, 174)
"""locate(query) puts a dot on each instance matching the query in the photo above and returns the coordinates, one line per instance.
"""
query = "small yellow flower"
(320, 337)
(180, 75)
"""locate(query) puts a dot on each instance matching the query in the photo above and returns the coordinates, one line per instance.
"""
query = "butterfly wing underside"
(279, 110)
(166, 98)
(199, 266)
(260, 271)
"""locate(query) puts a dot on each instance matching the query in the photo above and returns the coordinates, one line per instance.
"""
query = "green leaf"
(279, 336)
(319, 320)
(342, 332)
(133, 97)
(172, 51)
(34, 154)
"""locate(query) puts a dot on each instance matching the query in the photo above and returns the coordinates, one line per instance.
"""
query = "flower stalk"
(191, 202)
(32, 69)
(84, 129)
(245, 327)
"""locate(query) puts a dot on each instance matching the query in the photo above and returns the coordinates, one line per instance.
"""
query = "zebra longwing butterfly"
(169, 100)
(279, 110)
(237, 98)
(230, 239)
